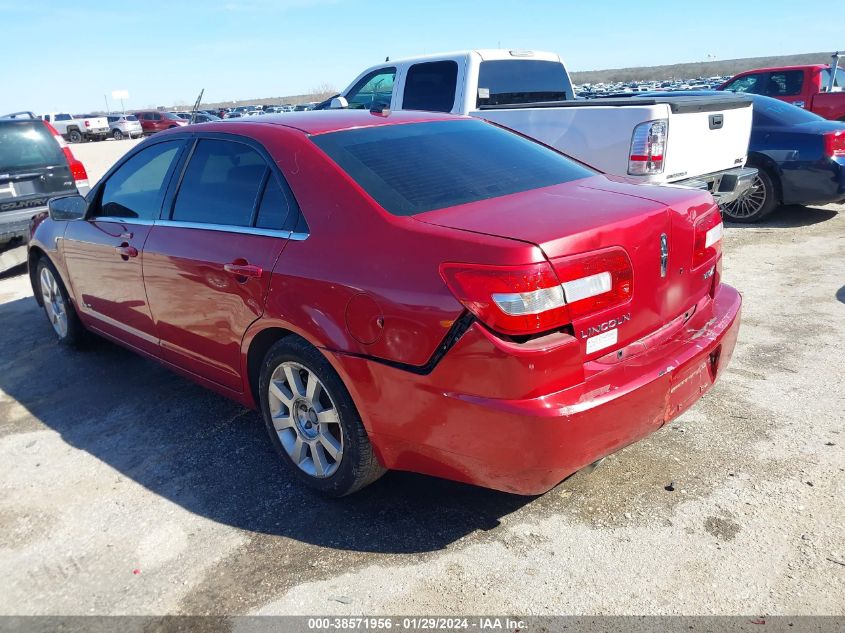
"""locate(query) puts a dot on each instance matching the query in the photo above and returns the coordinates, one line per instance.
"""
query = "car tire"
(314, 426)
(117, 135)
(758, 202)
(74, 136)
(57, 305)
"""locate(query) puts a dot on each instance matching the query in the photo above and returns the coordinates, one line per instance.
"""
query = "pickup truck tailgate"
(706, 135)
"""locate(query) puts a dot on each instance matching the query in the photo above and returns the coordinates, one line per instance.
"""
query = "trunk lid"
(598, 213)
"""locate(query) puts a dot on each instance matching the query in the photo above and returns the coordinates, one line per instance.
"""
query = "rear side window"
(417, 167)
(507, 81)
(785, 83)
(26, 144)
(137, 188)
(221, 184)
(431, 86)
(274, 207)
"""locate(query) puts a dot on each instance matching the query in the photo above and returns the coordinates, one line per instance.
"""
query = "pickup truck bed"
(694, 141)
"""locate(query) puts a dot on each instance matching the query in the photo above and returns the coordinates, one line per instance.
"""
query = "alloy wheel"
(306, 419)
(751, 202)
(54, 303)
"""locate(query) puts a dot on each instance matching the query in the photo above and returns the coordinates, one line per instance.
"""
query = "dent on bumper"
(528, 446)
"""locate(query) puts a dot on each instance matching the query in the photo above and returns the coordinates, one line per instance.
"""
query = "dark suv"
(153, 121)
(35, 165)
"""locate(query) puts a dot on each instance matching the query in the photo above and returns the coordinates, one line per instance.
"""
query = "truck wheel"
(312, 421)
(757, 202)
(74, 136)
(117, 135)
(58, 306)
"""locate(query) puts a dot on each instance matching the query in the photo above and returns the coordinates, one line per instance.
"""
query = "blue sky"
(66, 55)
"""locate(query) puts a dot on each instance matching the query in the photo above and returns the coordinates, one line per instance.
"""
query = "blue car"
(800, 159)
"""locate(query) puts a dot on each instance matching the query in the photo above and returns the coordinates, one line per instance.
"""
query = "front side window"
(137, 188)
(221, 184)
(416, 167)
(431, 86)
(375, 88)
(748, 83)
(785, 83)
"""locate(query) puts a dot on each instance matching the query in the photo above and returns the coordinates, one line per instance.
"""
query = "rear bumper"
(15, 224)
(726, 186)
(527, 446)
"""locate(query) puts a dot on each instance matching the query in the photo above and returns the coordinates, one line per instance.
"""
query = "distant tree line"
(696, 69)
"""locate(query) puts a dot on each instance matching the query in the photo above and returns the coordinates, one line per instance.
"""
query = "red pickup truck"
(805, 86)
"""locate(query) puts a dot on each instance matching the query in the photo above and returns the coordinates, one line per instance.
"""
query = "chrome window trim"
(228, 228)
(109, 218)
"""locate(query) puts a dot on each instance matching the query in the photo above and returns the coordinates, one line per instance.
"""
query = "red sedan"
(400, 291)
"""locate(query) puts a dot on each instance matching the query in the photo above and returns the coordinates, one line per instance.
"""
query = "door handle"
(126, 251)
(243, 270)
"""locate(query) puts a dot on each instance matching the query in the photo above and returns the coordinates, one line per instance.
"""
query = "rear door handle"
(126, 251)
(243, 270)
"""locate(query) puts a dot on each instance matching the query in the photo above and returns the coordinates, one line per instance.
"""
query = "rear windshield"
(417, 167)
(131, 117)
(768, 111)
(27, 144)
(509, 81)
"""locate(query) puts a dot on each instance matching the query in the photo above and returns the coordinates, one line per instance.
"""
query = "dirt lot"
(126, 489)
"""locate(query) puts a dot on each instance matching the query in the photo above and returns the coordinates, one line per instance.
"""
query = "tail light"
(834, 143)
(708, 238)
(509, 299)
(595, 281)
(77, 169)
(648, 146)
(87, 123)
(535, 298)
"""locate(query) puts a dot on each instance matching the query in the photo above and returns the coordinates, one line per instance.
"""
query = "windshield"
(510, 81)
(768, 111)
(416, 167)
(25, 144)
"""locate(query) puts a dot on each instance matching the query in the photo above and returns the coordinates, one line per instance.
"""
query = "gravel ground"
(125, 489)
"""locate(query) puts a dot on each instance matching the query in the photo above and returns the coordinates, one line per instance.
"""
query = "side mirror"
(65, 208)
(338, 103)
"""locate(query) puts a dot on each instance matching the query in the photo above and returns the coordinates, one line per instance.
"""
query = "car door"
(208, 262)
(103, 252)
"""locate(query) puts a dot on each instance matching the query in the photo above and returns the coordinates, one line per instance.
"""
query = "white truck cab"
(698, 141)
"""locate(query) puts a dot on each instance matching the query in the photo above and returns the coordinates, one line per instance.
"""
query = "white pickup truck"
(78, 129)
(684, 140)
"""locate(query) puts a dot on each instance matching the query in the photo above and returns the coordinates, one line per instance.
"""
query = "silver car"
(124, 126)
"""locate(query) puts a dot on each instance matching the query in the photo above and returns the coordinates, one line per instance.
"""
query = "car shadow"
(840, 294)
(210, 455)
(791, 216)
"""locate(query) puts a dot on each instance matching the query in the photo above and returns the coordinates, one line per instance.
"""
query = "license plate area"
(687, 386)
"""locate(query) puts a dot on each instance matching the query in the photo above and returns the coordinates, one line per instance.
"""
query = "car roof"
(324, 121)
(777, 68)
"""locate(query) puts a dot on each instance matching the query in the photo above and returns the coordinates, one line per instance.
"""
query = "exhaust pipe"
(592, 467)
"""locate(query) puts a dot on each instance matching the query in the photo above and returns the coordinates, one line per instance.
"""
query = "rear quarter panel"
(830, 105)
(360, 264)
